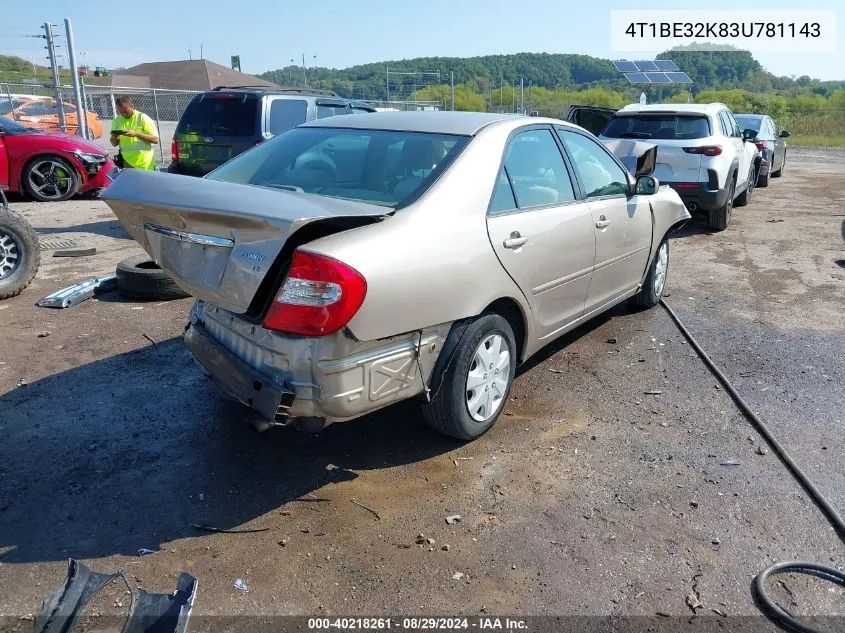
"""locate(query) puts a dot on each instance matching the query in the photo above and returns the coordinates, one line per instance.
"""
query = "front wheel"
(745, 197)
(472, 391)
(655, 281)
(50, 179)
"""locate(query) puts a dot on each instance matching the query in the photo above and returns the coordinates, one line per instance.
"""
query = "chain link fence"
(34, 105)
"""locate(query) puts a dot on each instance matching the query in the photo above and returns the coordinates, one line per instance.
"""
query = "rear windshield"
(376, 166)
(220, 115)
(749, 123)
(658, 126)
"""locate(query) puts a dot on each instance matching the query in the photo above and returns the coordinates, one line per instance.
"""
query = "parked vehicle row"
(711, 157)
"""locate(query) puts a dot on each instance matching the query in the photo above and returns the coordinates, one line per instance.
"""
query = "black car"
(221, 123)
(769, 141)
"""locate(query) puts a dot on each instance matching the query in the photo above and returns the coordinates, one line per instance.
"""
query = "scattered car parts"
(159, 612)
(20, 255)
(77, 293)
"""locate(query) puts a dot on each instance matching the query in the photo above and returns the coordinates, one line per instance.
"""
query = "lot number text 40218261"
(418, 624)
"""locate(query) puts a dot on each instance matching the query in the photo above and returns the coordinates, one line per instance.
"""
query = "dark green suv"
(220, 124)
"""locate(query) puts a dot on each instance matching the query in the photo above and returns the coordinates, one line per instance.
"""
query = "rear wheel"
(718, 219)
(763, 181)
(472, 391)
(50, 179)
(20, 253)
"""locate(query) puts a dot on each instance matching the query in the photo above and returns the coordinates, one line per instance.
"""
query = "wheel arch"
(511, 311)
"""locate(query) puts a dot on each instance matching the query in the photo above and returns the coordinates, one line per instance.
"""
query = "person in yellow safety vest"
(134, 134)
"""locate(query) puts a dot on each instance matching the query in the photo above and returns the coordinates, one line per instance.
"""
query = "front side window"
(600, 173)
(376, 166)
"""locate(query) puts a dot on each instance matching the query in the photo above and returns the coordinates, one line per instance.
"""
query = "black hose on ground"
(761, 596)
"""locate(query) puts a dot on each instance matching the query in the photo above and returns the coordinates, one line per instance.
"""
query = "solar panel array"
(659, 71)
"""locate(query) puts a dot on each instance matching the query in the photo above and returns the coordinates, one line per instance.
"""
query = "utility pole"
(189, 53)
(201, 57)
(452, 88)
(388, 86)
(521, 96)
(530, 100)
(54, 68)
(304, 74)
(81, 112)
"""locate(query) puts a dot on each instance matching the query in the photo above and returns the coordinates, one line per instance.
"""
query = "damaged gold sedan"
(353, 262)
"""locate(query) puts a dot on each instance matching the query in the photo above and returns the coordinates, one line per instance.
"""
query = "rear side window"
(658, 126)
(286, 114)
(220, 115)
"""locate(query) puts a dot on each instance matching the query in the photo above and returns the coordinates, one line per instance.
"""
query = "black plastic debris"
(148, 613)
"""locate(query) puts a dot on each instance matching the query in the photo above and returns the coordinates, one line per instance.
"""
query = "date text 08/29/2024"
(417, 624)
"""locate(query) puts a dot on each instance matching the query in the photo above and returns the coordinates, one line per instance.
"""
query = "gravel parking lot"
(590, 497)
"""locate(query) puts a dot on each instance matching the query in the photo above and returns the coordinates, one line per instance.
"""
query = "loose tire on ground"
(460, 379)
(655, 281)
(20, 255)
(139, 277)
(718, 219)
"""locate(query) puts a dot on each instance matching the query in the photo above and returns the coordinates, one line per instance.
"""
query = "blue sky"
(267, 34)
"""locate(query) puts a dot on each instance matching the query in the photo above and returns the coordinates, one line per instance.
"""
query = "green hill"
(720, 70)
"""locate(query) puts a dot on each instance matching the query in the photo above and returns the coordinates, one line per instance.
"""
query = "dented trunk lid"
(218, 240)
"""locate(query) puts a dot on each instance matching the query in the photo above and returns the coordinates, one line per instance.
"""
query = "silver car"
(354, 262)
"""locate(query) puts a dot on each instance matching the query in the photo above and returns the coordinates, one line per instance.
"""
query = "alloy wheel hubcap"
(488, 378)
(9, 255)
(50, 178)
(660, 269)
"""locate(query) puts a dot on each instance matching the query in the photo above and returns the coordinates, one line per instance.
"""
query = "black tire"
(448, 412)
(139, 277)
(779, 172)
(718, 219)
(763, 181)
(20, 253)
(655, 281)
(56, 188)
(745, 197)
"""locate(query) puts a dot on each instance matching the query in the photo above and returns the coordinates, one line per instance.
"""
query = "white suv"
(701, 153)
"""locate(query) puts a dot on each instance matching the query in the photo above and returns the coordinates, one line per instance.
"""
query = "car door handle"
(515, 240)
(603, 223)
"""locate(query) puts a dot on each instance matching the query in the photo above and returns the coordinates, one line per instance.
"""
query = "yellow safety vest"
(136, 152)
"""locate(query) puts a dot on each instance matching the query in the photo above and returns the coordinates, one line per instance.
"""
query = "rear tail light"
(319, 296)
(710, 150)
(687, 185)
(761, 145)
(174, 151)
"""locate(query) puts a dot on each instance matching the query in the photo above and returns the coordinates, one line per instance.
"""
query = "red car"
(51, 166)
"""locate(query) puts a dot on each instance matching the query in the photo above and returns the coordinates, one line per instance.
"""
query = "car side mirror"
(748, 134)
(646, 186)
(784, 134)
